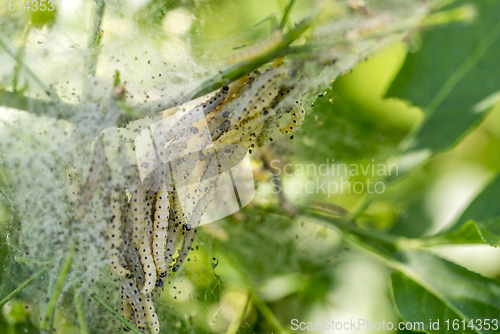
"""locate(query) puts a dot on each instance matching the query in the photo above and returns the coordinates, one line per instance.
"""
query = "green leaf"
(430, 288)
(454, 78)
(480, 222)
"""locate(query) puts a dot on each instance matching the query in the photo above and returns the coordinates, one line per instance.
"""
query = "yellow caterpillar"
(140, 238)
(151, 315)
(260, 94)
(296, 120)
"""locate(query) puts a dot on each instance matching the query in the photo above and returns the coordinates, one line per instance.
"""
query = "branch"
(370, 234)
(40, 107)
(95, 40)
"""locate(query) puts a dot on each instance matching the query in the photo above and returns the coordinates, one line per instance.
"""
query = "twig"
(384, 238)
(95, 39)
(41, 107)
(22, 286)
(117, 316)
(51, 305)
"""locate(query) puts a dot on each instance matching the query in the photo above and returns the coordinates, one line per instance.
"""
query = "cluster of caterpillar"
(150, 233)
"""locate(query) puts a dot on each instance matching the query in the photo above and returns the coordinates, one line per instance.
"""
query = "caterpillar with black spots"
(160, 226)
(136, 301)
(174, 231)
(262, 92)
(140, 237)
(151, 235)
(296, 119)
(151, 316)
(191, 226)
(115, 236)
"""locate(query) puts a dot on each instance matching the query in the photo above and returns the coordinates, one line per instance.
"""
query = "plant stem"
(50, 91)
(23, 285)
(51, 306)
(79, 311)
(384, 238)
(117, 316)
(286, 14)
(268, 314)
(95, 39)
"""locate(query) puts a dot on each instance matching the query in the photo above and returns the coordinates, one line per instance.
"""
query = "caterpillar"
(130, 254)
(98, 167)
(125, 306)
(134, 297)
(151, 315)
(149, 268)
(257, 50)
(260, 95)
(140, 238)
(266, 129)
(194, 221)
(190, 118)
(160, 226)
(296, 120)
(144, 235)
(218, 121)
(115, 236)
(246, 131)
(215, 101)
(174, 227)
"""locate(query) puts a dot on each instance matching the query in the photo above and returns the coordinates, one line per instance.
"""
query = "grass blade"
(51, 306)
(22, 286)
(116, 314)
